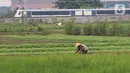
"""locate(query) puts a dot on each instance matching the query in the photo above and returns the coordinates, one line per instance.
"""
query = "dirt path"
(32, 41)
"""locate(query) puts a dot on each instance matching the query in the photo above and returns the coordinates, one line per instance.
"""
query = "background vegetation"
(69, 28)
(76, 4)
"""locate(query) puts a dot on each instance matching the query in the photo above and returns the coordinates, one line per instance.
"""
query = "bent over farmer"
(81, 48)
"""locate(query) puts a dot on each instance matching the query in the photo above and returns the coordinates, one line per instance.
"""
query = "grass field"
(57, 43)
(66, 63)
(64, 41)
(55, 53)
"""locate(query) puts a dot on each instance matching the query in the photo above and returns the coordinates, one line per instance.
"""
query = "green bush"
(106, 29)
(109, 31)
(88, 29)
(5, 30)
(101, 29)
(118, 30)
(31, 29)
(76, 30)
(39, 29)
(68, 28)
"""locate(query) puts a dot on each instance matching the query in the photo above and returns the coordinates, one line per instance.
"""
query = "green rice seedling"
(66, 63)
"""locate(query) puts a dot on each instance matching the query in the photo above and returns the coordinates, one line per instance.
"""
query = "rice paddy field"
(55, 53)
(66, 63)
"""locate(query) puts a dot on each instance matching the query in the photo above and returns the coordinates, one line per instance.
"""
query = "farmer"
(81, 48)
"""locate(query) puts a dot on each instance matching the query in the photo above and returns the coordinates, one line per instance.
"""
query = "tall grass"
(100, 29)
(66, 63)
(76, 30)
(107, 29)
(70, 28)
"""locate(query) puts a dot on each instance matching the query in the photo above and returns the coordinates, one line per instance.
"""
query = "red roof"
(34, 4)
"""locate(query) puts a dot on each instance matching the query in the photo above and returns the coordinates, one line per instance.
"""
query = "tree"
(76, 4)
(67, 4)
(91, 4)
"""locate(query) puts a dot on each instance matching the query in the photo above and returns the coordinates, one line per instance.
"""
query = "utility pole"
(25, 11)
(105, 4)
(19, 8)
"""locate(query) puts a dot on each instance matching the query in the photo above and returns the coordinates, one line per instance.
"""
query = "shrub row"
(98, 29)
(21, 29)
(71, 29)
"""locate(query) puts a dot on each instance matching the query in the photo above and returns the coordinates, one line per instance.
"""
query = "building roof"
(34, 4)
(34, 1)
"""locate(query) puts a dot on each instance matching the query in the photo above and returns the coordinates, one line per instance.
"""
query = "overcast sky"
(5, 2)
